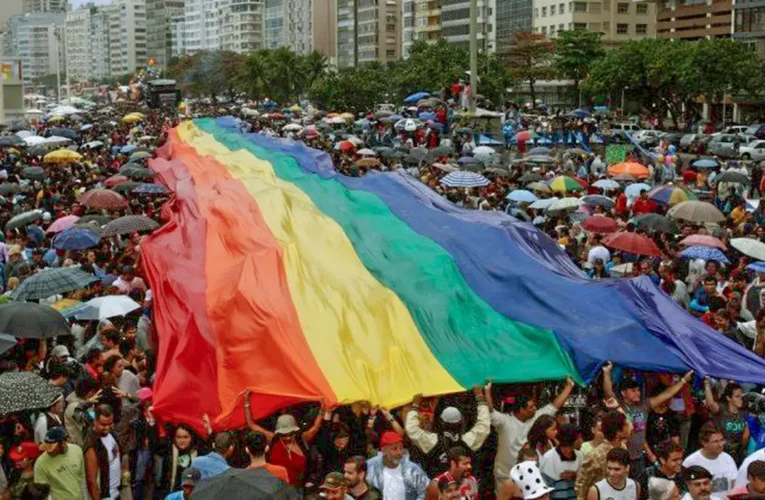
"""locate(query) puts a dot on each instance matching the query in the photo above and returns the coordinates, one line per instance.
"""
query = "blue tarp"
(522, 273)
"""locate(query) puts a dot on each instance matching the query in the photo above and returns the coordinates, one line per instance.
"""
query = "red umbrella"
(345, 146)
(703, 240)
(103, 198)
(633, 243)
(523, 136)
(582, 182)
(599, 224)
(114, 180)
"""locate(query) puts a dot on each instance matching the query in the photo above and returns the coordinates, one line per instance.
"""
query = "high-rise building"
(161, 16)
(749, 24)
(694, 19)
(275, 34)
(324, 28)
(512, 16)
(241, 25)
(407, 26)
(87, 51)
(368, 30)
(619, 20)
(38, 6)
(127, 36)
(431, 20)
(37, 40)
(201, 26)
(100, 49)
(10, 8)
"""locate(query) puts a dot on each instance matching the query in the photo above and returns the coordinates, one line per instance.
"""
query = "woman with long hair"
(730, 417)
(542, 435)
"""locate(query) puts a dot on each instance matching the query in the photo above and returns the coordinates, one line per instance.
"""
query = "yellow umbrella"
(295, 108)
(62, 156)
(347, 116)
(56, 119)
(132, 119)
(138, 113)
(332, 115)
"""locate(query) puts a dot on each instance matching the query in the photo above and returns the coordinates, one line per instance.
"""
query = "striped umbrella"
(670, 195)
(52, 281)
(465, 179)
(563, 183)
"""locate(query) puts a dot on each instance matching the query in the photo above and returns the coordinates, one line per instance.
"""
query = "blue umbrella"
(269, 105)
(706, 163)
(522, 195)
(466, 160)
(704, 253)
(416, 97)
(126, 150)
(435, 125)
(634, 190)
(596, 199)
(150, 188)
(427, 115)
(758, 267)
(76, 238)
(580, 113)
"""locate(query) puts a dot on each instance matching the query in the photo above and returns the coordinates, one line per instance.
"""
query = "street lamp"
(626, 87)
(58, 65)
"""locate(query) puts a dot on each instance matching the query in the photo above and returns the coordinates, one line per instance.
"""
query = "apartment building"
(87, 43)
(619, 20)
(511, 17)
(368, 30)
(161, 16)
(240, 25)
(695, 19)
(431, 20)
(39, 6)
(37, 41)
(127, 36)
(749, 23)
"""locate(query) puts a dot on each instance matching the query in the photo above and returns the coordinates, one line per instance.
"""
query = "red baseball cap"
(26, 450)
(389, 437)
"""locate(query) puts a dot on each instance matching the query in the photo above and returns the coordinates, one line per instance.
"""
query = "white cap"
(451, 415)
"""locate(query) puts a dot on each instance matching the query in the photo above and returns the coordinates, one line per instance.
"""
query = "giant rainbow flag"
(278, 275)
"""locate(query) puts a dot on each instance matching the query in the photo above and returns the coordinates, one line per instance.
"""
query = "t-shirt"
(723, 469)
(64, 473)
(115, 470)
(512, 434)
(552, 465)
(741, 479)
(276, 470)
(733, 426)
(638, 415)
(662, 427)
(393, 483)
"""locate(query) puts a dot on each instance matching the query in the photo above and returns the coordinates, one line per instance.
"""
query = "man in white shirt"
(712, 458)
(512, 430)
(742, 479)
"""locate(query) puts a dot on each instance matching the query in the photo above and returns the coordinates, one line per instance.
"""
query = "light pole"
(473, 54)
(58, 66)
(626, 87)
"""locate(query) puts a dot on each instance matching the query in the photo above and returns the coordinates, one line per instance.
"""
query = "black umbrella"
(37, 151)
(6, 342)
(102, 220)
(52, 281)
(7, 188)
(64, 132)
(9, 141)
(30, 320)
(33, 173)
(733, 178)
(129, 224)
(22, 220)
(140, 173)
(237, 483)
(655, 222)
(22, 391)
(126, 187)
(530, 177)
(129, 167)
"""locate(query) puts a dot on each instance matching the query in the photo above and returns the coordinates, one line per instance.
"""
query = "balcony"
(428, 13)
(427, 29)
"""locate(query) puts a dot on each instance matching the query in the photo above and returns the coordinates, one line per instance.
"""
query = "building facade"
(160, 16)
(127, 36)
(35, 42)
(10, 8)
(694, 19)
(201, 26)
(77, 47)
(512, 16)
(749, 23)
(100, 67)
(241, 25)
(368, 30)
(431, 20)
(38, 6)
(619, 20)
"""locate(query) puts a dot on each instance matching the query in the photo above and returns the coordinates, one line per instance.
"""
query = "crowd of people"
(635, 435)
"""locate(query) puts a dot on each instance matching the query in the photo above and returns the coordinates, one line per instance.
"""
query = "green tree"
(252, 77)
(314, 66)
(428, 67)
(531, 59)
(575, 53)
(352, 89)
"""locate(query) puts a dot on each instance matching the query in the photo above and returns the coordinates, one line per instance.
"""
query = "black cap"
(696, 472)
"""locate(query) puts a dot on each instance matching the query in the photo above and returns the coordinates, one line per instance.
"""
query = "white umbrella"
(564, 204)
(292, 127)
(64, 111)
(93, 144)
(108, 306)
(606, 184)
(250, 112)
(34, 140)
(24, 133)
(55, 140)
(748, 246)
(542, 204)
(408, 124)
(366, 152)
(621, 269)
(484, 150)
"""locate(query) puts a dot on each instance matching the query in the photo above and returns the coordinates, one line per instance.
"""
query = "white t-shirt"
(393, 483)
(552, 466)
(723, 469)
(608, 492)
(741, 479)
(115, 469)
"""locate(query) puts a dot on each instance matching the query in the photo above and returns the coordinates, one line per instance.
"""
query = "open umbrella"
(413, 98)
(52, 281)
(107, 306)
(633, 243)
(538, 159)
(634, 169)
(100, 220)
(704, 253)
(243, 483)
(114, 180)
(696, 211)
(103, 198)
(127, 149)
(366, 152)
(25, 391)
(733, 178)
(129, 224)
(541, 204)
(368, 163)
(150, 188)
(525, 136)
(634, 190)
(670, 195)
(8, 188)
(62, 223)
(140, 155)
(33, 321)
(654, 222)
(750, 247)
(539, 150)
(594, 200)
(76, 238)
(702, 240)
(599, 224)
(464, 179)
(568, 203)
(62, 156)
(522, 196)
(11, 141)
(539, 187)
(33, 173)
(126, 187)
(140, 173)
(6, 342)
(562, 184)
(706, 163)
(24, 219)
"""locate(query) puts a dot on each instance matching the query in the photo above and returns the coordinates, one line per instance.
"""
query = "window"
(621, 29)
(623, 8)
(536, 13)
(580, 26)
(641, 29)
(552, 10)
(544, 11)
(552, 30)
(580, 6)
(561, 27)
(642, 8)
(594, 8)
(544, 30)
(562, 8)
(606, 27)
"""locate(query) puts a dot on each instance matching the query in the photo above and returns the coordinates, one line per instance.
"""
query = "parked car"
(724, 144)
(757, 130)
(626, 127)
(687, 141)
(736, 129)
(755, 150)
(671, 138)
(646, 137)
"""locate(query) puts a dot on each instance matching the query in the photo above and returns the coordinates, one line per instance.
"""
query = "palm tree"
(253, 77)
(315, 65)
(285, 73)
